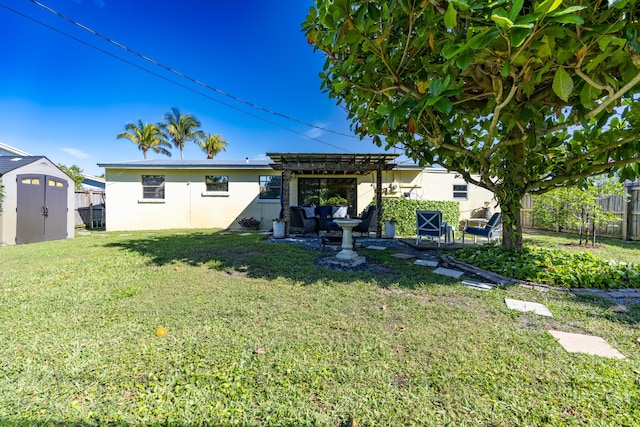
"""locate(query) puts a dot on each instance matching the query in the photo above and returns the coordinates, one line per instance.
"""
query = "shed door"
(41, 208)
(55, 203)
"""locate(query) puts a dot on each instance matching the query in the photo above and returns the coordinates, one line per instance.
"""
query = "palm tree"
(212, 145)
(147, 136)
(181, 128)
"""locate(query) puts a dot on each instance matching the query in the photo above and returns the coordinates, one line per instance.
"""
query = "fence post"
(90, 197)
(628, 214)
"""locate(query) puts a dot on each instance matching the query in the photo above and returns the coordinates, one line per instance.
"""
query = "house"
(38, 201)
(168, 193)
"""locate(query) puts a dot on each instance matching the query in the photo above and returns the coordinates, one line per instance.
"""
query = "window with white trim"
(153, 186)
(217, 183)
(270, 186)
(460, 191)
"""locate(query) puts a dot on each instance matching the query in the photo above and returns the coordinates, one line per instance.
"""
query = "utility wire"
(173, 81)
(185, 76)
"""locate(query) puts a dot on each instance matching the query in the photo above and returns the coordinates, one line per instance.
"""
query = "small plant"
(278, 220)
(250, 223)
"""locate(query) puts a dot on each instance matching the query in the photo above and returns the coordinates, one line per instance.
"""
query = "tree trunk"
(509, 195)
(511, 223)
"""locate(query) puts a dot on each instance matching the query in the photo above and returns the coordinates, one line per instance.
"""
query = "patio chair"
(366, 218)
(429, 224)
(491, 229)
(300, 222)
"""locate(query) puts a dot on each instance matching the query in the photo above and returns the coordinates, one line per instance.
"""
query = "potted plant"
(486, 210)
(278, 228)
(390, 228)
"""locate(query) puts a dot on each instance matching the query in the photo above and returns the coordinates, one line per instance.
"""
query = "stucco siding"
(187, 204)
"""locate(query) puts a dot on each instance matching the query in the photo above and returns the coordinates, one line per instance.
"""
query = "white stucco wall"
(8, 215)
(186, 203)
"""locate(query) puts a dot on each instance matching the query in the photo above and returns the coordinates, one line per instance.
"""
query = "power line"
(185, 76)
(173, 81)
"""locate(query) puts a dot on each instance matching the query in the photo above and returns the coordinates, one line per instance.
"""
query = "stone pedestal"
(347, 253)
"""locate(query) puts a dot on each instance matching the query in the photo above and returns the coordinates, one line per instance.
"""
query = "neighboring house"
(163, 194)
(7, 150)
(38, 203)
(93, 183)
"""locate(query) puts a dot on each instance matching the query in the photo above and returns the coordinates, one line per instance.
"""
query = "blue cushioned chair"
(492, 229)
(429, 224)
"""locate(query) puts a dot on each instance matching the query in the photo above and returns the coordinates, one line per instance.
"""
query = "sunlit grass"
(257, 334)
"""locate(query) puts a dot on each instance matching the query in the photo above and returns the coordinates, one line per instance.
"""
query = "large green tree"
(147, 136)
(213, 144)
(181, 128)
(516, 96)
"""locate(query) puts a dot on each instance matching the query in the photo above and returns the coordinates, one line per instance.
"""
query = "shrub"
(553, 267)
(251, 223)
(404, 212)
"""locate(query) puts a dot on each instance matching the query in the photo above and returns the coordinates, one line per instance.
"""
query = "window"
(153, 186)
(217, 182)
(460, 191)
(270, 186)
(325, 191)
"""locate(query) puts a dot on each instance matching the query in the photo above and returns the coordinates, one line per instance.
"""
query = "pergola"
(335, 164)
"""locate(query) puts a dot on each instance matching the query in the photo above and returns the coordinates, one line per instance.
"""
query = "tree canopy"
(213, 144)
(181, 128)
(75, 173)
(516, 96)
(147, 136)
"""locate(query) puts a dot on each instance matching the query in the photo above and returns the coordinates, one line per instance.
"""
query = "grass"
(607, 249)
(259, 335)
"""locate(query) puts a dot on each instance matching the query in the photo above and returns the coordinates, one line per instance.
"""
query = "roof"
(332, 163)
(10, 151)
(188, 164)
(9, 163)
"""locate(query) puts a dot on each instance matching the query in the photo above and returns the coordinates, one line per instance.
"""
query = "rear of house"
(165, 194)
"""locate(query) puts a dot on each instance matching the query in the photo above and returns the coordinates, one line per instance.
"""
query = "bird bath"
(347, 253)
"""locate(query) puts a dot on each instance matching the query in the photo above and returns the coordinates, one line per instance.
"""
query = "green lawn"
(258, 335)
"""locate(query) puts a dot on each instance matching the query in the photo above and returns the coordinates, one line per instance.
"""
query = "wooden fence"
(628, 212)
(90, 209)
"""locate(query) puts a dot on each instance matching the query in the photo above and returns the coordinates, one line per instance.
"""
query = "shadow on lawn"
(255, 257)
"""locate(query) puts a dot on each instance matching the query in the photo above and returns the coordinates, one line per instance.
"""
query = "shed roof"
(332, 163)
(9, 163)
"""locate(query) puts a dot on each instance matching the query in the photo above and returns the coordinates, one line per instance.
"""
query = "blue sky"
(68, 101)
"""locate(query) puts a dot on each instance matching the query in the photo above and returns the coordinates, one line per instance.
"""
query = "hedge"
(404, 212)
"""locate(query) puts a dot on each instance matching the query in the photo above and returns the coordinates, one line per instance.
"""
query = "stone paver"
(587, 344)
(477, 285)
(403, 255)
(525, 306)
(245, 234)
(377, 248)
(448, 272)
(426, 262)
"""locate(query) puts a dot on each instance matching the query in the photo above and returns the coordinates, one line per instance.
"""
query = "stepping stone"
(448, 272)
(377, 248)
(526, 306)
(426, 262)
(245, 234)
(403, 255)
(477, 285)
(587, 344)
